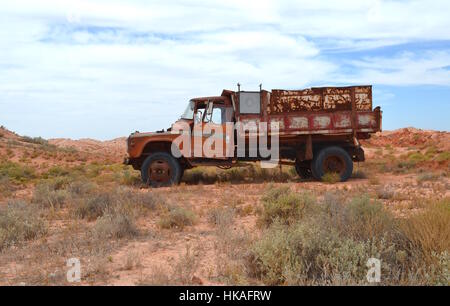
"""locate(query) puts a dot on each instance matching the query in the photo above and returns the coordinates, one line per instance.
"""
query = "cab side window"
(217, 115)
(220, 115)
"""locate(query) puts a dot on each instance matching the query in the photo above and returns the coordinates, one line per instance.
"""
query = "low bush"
(20, 222)
(6, 187)
(331, 178)
(366, 219)
(443, 157)
(148, 200)
(221, 216)
(424, 177)
(385, 192)
(56, 171)
(130, 179)
(116, 222)
(95, 207)
(306, 253)
(51, 194)
(35, 140)
(331, 245)
(428, 232)
(177, 217)
(280, 203)
(417, 157)
(16, 173)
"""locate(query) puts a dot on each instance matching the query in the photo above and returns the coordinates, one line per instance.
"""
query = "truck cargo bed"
(326, 110)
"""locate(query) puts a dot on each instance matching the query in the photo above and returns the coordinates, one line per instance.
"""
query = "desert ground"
(63, 198)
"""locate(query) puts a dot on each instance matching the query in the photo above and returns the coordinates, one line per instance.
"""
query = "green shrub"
(51, 193)
(331, 245)
(280, 203)
(443, 157)
(305, 253)
(331, 178)
(95, 207)
(56, 171)
(20, 222)
(366, 219)
(15, 172)
(116, 222)
(417, 157)
(129, 179)
(427, 177)
(6, 187)
(406, 165)
(81, 188)
(177, 217)
(35, 140)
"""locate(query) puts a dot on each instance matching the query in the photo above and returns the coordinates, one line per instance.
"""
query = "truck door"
(216, 139)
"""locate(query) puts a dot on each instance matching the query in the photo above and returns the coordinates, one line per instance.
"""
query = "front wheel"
(333, 160)
(161, 169)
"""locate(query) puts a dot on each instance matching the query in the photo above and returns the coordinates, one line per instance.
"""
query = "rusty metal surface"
(320, 99)
(334, 112)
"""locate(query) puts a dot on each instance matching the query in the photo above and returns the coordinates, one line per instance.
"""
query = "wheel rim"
(333, 164)
(159, 171)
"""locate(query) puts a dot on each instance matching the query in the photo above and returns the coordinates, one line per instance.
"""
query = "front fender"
(141, 143)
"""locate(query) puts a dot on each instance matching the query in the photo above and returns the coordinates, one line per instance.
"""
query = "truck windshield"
(189, 112)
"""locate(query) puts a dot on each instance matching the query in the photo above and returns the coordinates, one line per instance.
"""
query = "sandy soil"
(157, 253)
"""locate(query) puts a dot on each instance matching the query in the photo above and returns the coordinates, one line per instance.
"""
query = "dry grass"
(429, 230)
(20, 222)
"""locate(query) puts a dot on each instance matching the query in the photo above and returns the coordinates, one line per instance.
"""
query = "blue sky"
(102, 69)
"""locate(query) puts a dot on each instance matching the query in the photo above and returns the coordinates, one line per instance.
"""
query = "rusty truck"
(319, 131)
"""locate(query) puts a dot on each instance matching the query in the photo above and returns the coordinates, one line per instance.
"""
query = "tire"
(161, 169)
(332, 159)
(303, 169)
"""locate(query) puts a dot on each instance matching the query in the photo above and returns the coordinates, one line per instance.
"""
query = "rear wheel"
(303, 169)
(161, 170)
(333, 160)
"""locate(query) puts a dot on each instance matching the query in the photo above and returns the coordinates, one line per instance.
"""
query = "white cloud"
(429, 68)
(102, 68)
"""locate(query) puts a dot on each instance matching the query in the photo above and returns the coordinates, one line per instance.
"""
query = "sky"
(103, 69)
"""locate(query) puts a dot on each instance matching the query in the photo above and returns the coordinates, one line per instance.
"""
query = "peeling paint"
(320, 99)
(300, 123)
(321, 122)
